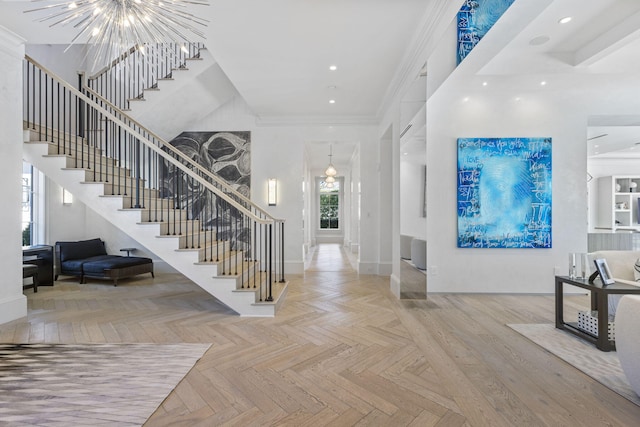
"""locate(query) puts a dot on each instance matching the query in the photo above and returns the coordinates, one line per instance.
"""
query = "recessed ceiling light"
(543, 83)
(596, 146)
(465, 99)
(332, 101)
(333, 67)
(565, 20)
(484, 83)
(518, 98)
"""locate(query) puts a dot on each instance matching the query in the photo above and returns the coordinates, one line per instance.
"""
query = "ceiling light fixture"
(332, 101)
(484, 83)
(565, 20)
(543, 83)
(112, 27)
(331, 170)
(333, 67)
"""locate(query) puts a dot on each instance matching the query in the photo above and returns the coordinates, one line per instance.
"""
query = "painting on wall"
(228, 155)
(504, 192)
(475, 19)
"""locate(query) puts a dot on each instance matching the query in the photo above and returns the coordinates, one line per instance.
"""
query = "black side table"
(599, 301)
(128, 250)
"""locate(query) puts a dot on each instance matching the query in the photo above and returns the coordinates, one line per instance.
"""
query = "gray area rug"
(89, 384)
(603, 367)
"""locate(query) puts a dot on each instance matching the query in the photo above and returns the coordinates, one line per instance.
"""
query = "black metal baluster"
(282, 252)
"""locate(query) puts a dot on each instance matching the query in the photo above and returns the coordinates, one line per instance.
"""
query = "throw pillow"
(636, 270)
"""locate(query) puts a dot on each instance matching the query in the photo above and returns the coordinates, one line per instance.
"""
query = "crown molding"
(434, 22)
(11, 43)
(345, 120)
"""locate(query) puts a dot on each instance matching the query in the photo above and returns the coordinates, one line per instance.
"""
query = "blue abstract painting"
(504, 192)
(475, 19)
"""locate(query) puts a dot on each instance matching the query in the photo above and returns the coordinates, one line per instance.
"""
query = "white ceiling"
(277, 52)
(600, 46)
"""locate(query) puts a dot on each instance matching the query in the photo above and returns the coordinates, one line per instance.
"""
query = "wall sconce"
(272, 191)
(67, 198)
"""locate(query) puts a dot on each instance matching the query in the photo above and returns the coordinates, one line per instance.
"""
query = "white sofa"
(628, 339)
(419, 253)
(405, 246)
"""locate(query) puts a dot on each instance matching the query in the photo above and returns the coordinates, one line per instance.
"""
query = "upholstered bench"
(89, 259)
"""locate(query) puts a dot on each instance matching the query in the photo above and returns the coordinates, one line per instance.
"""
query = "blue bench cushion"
(75, 267)
(97, 265)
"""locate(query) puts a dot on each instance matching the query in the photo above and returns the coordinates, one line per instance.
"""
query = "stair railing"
(139, 69)
(171, 189)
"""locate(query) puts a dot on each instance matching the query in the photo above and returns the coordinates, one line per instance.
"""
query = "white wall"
(495, 113)
(412, 223)
(53, 56)
(13, 303)
(354, 190)
(277, 151)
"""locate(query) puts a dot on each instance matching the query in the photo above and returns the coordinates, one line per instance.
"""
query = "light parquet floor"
(342, 351)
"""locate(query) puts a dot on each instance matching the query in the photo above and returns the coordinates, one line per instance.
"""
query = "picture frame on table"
(603, 270)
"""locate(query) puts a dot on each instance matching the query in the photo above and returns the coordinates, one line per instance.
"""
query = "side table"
(599, 301)
(128, 250)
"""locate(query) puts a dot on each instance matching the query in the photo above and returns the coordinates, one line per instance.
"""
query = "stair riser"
(129, 191)
(117, 176)
(162, 215)
(191, 240)
(176, 229)
(151, 203)
(79, 151)
(214, 251)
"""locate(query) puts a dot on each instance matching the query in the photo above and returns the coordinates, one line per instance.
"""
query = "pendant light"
(330, 171)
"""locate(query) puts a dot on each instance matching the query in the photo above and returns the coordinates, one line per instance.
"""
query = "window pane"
(27, 204)
(329, 205)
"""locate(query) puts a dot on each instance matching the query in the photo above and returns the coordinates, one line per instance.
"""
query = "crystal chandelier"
(111, 27)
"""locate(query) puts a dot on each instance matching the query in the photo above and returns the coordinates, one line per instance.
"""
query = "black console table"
(42, 256)
(599, 301)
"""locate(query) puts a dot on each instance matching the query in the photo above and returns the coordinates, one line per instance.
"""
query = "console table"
(599, 301)
(42, 256)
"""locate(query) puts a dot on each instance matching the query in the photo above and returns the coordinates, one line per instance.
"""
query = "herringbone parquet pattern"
(342, 351)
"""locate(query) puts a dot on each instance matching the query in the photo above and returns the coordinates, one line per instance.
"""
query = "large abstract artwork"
(228, 155)
(504, 192)
(475, 19)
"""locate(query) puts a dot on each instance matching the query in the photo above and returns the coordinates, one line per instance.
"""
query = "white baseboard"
(394, 285)
(367, 268)
(13, 308)
(385, 269)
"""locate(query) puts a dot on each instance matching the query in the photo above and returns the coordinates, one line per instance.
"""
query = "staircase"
(150, 86)
(181, 212)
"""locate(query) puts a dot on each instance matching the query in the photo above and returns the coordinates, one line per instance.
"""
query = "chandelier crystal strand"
(111, 27)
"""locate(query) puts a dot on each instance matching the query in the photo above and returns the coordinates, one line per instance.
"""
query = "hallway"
(330, 257)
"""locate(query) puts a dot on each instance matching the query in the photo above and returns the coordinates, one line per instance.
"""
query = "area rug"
(603, 367)
(89, 384)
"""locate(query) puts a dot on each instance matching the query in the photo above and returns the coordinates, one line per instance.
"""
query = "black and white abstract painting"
(227, 155)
